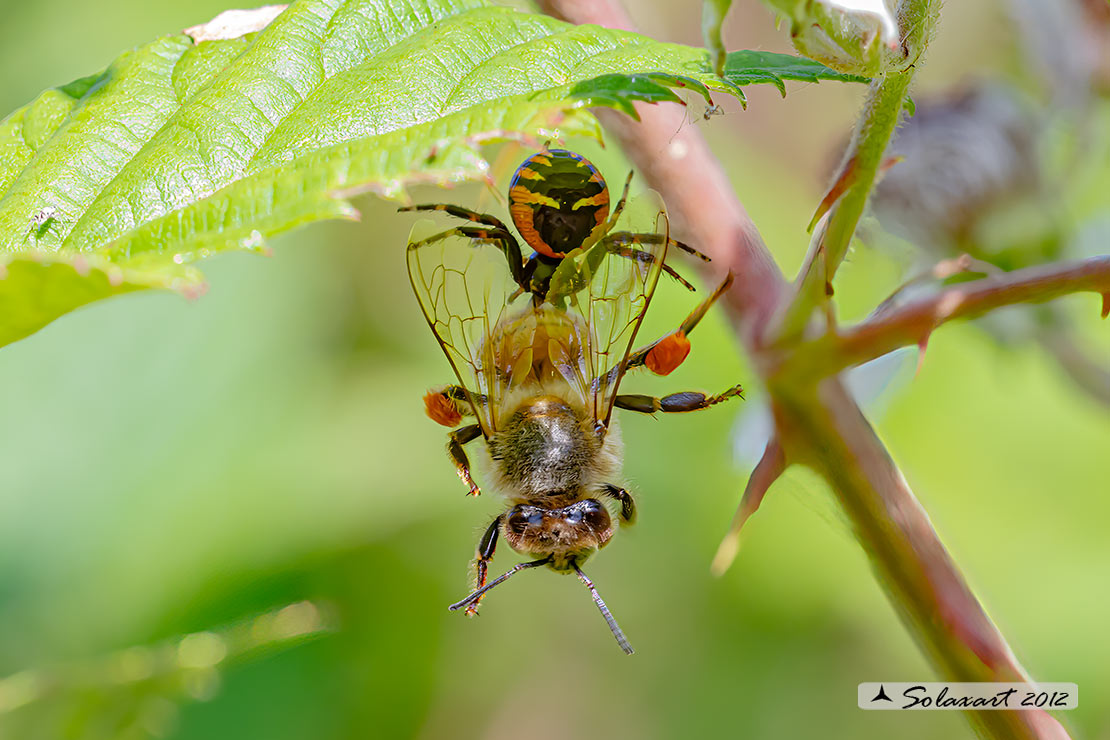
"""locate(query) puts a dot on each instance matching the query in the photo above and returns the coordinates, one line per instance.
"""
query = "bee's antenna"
(613, 626)
(500, 579)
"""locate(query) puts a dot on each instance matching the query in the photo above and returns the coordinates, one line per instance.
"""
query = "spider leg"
(640, 255)
(458, 212)
(619, 206)
(498, 237)
(621, 244)
(627, 237)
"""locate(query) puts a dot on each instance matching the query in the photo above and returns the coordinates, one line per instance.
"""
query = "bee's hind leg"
(486, 547)
(675, 402)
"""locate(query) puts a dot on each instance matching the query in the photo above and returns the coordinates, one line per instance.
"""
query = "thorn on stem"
(766, 472)
(1105, 305)
(922, 345)
(844, 181)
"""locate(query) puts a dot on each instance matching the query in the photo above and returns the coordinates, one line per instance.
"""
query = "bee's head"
(567, 533)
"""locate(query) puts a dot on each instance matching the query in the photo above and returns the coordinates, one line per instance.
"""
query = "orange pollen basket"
(668, 354)
(441, 409)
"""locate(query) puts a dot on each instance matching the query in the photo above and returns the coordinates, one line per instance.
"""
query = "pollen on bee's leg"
(668, 353)
(441, 409)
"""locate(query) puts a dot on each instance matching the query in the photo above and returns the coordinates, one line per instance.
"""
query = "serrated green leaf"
(214, 140)
(620, 91)
(741, 68)
(751, 67)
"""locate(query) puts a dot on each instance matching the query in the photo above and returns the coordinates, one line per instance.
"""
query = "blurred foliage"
(175, 467)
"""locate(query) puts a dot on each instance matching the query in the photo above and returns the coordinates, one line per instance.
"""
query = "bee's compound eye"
(594, 514)
(522, 518)
(589, 511)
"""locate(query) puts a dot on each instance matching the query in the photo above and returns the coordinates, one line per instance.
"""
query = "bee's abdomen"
(544, 448)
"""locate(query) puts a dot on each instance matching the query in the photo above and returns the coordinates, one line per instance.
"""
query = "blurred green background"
(172, 467)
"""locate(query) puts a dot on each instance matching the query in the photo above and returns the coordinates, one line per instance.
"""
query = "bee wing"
(463, 287)
(611, 291)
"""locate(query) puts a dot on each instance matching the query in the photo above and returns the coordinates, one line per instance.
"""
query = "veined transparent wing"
(610, 285)
(463, 286)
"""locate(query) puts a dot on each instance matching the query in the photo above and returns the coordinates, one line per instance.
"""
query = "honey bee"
(538, 380)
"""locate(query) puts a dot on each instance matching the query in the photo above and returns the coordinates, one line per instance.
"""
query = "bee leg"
(448, 405)
(498, 581)
(458, 393)
(486, 547)
(456, 440)
(499, 236)
(666, 353)
(676, 402)
(628, 505)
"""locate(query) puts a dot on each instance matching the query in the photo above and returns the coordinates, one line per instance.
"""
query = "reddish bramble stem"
(817, 423)
(914, 322)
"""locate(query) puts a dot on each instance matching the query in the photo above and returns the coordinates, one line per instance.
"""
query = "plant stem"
(881, 113)
(827, 432)
(817, 423)
(914, 322)
(861, 163)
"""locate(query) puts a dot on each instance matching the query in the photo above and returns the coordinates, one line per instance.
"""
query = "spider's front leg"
(458, 212)
(622, 244)
(496, 234)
